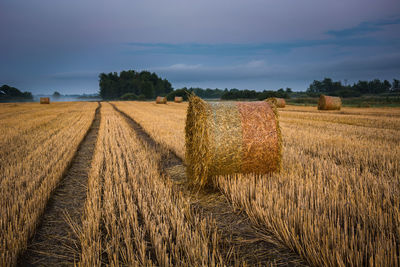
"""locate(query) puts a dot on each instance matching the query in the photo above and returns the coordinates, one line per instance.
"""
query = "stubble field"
(336, 201)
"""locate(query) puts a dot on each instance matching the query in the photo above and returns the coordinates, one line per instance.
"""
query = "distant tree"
(141, 97)
(56, 94)
(10, 93)
(362, 87)
(345, 92)
(386, 85)
(159, 87)
(114, 86)
(327, 86)
(252, 94)
(167, 86)
(148, 89)
(129, 96)
(203, 93)
(396, 85)
(315, 87)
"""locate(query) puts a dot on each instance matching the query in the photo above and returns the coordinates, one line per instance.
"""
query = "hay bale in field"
(329, 103)
(231, 137)
(45, 100)
(178, 99)
(161, 100)
(279, 102)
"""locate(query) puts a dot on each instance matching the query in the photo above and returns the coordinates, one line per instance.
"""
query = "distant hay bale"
(279, 102)
(178, 99)
(329, 103)
(45, 100)
(161, 100)
(231, 137)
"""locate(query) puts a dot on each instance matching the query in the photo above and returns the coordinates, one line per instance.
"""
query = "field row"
(335, 203)
(337, 200)
(38, 145)
(145, 222)
(133, 215)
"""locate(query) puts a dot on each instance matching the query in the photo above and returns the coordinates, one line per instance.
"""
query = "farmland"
(336, 201)
(37, 145)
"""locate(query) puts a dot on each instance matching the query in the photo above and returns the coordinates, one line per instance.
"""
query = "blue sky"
(48, 45)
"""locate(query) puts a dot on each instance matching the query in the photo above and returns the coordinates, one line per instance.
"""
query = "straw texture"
(45, 100)
(261, 137)
(161, 100)
(231, 137)
(329, 103)
(279, 102)
(178, 99)
(226, 133)
(197, 141)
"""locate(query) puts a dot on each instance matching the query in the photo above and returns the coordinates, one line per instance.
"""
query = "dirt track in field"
(250, 245)
(55, 243)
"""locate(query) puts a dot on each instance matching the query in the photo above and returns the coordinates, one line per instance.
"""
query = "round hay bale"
(161, 100)
(231, 137)
(329, 103)
(279, 102)
(45, 100)
(178, 99)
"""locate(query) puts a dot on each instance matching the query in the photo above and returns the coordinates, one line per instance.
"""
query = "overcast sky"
(48, 45)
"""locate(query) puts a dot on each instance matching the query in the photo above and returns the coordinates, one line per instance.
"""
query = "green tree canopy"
(11, 93)
(327, 86)
(147, 84)
(56, 94)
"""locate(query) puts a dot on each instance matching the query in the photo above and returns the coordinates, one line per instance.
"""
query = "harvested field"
(34, 155)
(168, 125)
(240, 242)
(144, 221)
(55, 241)
(339, 190)
(336, 201)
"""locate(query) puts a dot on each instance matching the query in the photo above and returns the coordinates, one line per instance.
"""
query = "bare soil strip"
(250, 246)
(55, 242)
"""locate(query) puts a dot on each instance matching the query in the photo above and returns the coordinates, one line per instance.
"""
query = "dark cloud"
(259, 73)
(364, 28)
(199, 73)
(48, 45)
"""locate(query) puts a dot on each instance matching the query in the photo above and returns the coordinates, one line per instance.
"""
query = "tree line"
(231, 94)
(132, 85)
(203, 93)
(336, 88)
(11, 93)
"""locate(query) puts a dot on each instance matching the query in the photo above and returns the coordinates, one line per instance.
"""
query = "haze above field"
(48, 46)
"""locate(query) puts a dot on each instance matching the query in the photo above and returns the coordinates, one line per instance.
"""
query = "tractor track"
(250, 246)
(55, 243)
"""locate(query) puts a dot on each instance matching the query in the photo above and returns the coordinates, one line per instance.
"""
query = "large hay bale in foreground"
(45, 100)
(329, 103)
(161, 100)
(231, 137)
(178, 99)
(279, 102)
